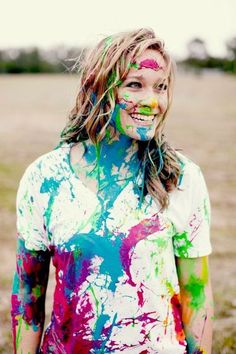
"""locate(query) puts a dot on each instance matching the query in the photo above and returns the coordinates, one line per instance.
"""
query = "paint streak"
(176, 311)
(137, 233)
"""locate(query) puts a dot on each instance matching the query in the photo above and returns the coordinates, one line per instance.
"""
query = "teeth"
(142, 117)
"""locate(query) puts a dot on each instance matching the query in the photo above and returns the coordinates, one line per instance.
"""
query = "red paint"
(140, 296)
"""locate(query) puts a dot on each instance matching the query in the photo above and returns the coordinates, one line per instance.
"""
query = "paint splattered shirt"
(116, 283)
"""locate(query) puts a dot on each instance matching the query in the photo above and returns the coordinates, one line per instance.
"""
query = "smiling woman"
(122, 215)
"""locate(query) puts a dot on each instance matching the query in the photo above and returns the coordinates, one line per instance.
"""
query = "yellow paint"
(154, 103)
(204, 272)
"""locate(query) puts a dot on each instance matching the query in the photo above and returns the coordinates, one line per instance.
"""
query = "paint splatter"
(146, 64)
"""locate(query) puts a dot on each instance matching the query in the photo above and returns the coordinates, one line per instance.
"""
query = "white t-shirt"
(116, 282)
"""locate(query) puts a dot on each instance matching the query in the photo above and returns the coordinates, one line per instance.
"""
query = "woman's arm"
(28, 298)
(197, 303)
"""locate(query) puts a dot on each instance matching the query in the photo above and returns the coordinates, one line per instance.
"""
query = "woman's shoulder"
(190, 171)
(49, 164)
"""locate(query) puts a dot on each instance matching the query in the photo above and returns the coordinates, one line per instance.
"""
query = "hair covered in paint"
(103, 69)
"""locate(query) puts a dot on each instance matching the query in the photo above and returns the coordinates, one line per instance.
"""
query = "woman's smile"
(143, 119)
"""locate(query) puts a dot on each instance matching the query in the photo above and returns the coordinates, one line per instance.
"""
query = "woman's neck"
(114, 156)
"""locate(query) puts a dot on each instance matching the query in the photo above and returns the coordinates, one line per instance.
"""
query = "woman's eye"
(162, 87)
(134, 84)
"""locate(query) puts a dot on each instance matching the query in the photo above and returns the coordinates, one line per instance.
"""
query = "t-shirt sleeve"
(30, 211)
(192, 238)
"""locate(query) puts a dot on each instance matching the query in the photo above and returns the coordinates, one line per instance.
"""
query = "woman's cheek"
(127, 101)
(163, 104)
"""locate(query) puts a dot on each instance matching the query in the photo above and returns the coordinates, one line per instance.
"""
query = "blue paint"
(89, 246)
(143, 133)
(123, 105)
(102, 319)
(93, 98)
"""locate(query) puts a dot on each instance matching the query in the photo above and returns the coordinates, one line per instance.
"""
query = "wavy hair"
(102, 70)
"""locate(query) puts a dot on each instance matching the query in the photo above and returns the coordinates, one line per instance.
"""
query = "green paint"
(170, 288)
(119, 83)
(195, 288)
(126, 96)
(113, 81)
(206, 211)
(118, 122)
(107, 44)
(108, 134)
(37, 291)
(18, 335)
(26, 197)
(108, 41)
(182, 244)
(77, 253)
(145, 110)
(27, 326)
(111, 78)
(133, 65)
(96, 300)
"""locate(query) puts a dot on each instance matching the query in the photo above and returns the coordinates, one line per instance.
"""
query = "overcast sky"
(48, 23)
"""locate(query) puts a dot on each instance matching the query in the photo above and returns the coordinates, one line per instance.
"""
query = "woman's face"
(142, 98)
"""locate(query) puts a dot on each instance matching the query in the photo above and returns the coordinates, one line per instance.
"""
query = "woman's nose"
(151, 102)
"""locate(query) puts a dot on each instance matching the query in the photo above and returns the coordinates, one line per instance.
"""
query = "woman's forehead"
(149, 59)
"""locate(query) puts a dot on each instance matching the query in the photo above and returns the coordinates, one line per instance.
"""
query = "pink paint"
(149, 64)
(140, 296)
(137, 233)
(176, 311)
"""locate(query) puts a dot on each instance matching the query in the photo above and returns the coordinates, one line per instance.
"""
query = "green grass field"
(202, 122)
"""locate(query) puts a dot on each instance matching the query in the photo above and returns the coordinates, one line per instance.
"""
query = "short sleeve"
(30, 211)
(192, 237)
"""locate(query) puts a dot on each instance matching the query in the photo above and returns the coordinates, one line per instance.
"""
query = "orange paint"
(187, 311)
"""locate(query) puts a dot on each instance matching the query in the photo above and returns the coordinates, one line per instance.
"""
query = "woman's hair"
(101, 72)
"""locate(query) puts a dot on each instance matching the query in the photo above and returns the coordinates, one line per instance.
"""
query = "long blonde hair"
(101, 72)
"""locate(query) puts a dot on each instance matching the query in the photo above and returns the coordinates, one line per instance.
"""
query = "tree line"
(64, 60)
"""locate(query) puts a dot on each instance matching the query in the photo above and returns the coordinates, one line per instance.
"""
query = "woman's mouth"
(143, 119)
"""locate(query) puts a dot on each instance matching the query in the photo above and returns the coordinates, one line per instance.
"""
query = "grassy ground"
(202, 122)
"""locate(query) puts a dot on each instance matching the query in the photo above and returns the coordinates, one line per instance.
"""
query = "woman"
(123, 216)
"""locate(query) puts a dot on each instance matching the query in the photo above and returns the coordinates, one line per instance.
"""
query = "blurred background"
(39, 44)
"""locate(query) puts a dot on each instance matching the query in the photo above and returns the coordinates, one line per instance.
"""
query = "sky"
(49, 23)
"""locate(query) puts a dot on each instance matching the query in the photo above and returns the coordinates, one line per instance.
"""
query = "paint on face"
(146, 64)
(143, 95)
(143, 132)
